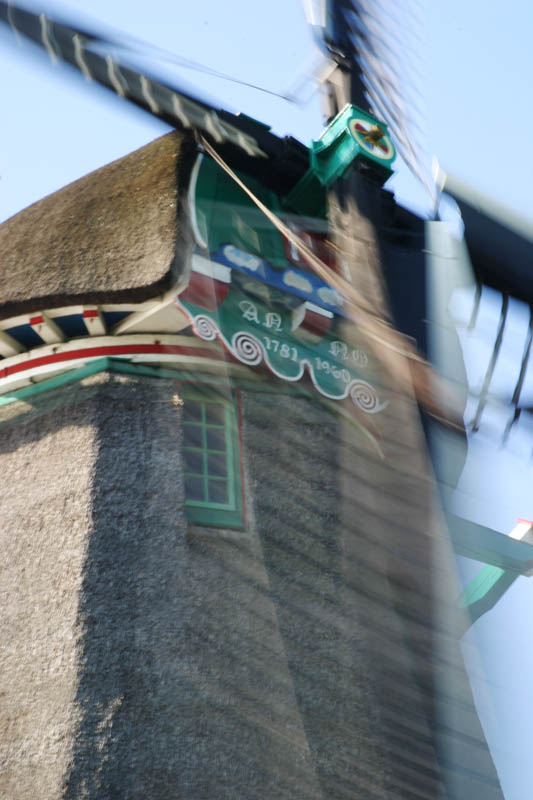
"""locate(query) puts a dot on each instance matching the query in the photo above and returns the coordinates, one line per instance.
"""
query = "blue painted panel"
(292, 280)
(72, 325)
(25, 335)
(112, 317)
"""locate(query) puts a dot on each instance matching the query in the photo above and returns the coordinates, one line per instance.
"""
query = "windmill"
(107, 62)
(286, 303)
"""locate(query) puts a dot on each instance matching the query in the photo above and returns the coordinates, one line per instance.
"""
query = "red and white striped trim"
(21, 369)
(94, 322)
(46, 328)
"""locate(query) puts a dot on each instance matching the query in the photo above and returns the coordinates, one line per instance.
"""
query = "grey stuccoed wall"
(46, 467)
(139, 658)
(363, 578)
(297, 505)
(142, 657)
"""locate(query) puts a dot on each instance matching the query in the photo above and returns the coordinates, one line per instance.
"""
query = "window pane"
(194, 488)
(192, 411)
(217, 465)
(192, 435)
(216, 439)
(218, 492)
(214, 414)
(210, 434)
(194, 461)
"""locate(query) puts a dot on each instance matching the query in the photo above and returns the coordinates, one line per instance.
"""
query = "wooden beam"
(94, 322)
(491, 582)
(45, 327)
(9, 346)
(483, 544)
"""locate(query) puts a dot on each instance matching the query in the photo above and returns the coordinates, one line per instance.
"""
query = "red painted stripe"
(90, 312)
(382, 146)
(205, 292)
(110, 350)
(36, 320)
(317, 324)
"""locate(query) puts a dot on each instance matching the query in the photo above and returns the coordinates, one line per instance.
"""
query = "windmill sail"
(259, 617)
(359, 36)
(93, 56)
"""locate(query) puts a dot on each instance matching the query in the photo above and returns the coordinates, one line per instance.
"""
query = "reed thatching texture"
(112, 236)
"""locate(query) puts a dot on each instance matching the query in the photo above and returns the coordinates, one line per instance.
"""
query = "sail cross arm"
(484, 544)
(491, 582)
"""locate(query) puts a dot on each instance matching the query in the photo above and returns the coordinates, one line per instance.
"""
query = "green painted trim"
(486, 545)
(225, 214)
(478, 587)
(213, 518)
(121, 366)
(205, 380)
(485, 590)
(212, 379)
(213, 514)
(505, 560)
(335, 365)
(70, 376)
(332, 156)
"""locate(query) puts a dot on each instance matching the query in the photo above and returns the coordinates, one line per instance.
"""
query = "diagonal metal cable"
(386, 342)
(130, 45)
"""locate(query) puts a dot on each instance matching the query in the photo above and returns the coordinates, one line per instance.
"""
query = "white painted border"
(191, 199)
(211, 269)
(207, 329)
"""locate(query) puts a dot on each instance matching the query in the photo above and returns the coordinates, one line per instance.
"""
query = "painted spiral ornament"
(205, 328)
(247, 348)
(366, 398)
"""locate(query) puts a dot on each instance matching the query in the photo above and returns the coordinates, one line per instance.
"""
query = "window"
(213, 493)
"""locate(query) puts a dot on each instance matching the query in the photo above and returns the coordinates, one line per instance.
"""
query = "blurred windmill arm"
(94, 56)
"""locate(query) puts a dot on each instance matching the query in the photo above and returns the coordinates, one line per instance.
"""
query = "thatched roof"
(113, 236)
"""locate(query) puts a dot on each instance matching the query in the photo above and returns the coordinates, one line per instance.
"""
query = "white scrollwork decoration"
(205, 328)
(247, 348)
(366, 398)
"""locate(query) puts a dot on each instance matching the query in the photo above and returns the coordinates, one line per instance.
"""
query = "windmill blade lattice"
(91, 55)
(367, 33)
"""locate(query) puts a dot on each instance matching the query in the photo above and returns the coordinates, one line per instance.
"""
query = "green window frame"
(211, 460)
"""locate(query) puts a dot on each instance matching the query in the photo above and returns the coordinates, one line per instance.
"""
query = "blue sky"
(474, 82)
(474, 77)
(56, 129)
